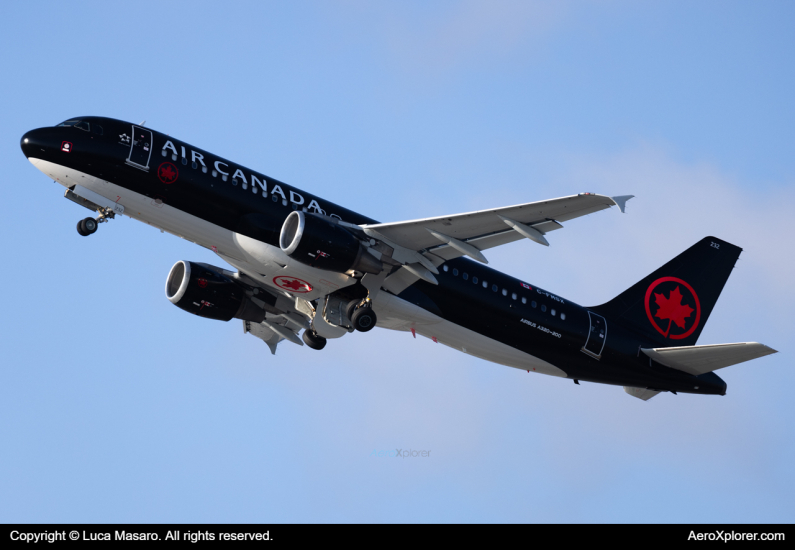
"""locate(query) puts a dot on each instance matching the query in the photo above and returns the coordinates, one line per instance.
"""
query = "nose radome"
(36, 142)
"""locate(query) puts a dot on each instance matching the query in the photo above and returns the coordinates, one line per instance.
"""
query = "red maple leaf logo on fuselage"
(167, 173)
(673, 309)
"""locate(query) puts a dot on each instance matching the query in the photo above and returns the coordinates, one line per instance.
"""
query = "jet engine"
(203, 291)
(324, 244)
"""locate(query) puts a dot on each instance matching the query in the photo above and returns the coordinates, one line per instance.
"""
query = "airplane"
(302, 263)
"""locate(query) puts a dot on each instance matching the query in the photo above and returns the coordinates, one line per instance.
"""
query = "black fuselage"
(469, 294)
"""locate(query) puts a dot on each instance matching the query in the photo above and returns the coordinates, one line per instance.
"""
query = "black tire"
(364, 319)
(313, 340)
(351, 307)
(80, 229)
(90, 226)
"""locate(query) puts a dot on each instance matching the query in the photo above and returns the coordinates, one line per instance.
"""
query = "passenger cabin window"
(504, 291)
(543, 308)
(494, 288)
(455, 272)
(513, 296)
(562, 316)
(485, 284)
(533, 304)
(184, 160)
(475, 280)
(552, 311)
(466, 276)
(83, 125)
(445, 268)
(524, 300)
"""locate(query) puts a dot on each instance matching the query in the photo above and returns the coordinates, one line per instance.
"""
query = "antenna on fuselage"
(143, 122)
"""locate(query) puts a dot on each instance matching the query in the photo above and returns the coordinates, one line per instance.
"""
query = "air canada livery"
(302, 263)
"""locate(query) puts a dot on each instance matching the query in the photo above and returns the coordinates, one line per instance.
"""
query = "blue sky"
(117, 406)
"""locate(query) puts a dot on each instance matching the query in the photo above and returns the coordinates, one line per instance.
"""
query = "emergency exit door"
(597, 336)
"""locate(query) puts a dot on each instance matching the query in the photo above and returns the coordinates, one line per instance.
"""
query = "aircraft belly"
(397, 314)
(265, 263)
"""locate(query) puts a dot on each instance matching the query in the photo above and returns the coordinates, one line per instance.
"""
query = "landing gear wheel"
(364, 319)
(313, 340)
(351, 307)
(87, 226)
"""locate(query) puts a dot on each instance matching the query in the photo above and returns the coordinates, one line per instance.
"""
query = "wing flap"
(697, 360)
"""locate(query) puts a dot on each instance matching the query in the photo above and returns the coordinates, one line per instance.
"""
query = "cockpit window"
(83, 125)
(97, 129)
(69, 123)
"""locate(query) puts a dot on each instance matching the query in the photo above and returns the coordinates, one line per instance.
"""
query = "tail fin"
(671, 306)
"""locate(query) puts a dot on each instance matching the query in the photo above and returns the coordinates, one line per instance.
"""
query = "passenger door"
(140, 148)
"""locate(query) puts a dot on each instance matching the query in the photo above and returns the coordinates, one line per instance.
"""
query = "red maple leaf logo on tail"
(673, 309)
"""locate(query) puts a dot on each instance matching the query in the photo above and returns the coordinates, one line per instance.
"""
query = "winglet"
(621, 201)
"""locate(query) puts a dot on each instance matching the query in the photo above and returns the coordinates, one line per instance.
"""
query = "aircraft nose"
(32, 142)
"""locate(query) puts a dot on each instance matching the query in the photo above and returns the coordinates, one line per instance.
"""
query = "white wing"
(422, 245)
(487, 228)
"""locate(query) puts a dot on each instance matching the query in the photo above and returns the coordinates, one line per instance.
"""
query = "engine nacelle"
(323, 244)
(202, 291)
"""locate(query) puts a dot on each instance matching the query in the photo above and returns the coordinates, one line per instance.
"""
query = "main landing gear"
(89, 226)
(361, 314)
(313, 340)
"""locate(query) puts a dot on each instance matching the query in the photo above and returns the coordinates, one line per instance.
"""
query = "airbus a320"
(304, 265)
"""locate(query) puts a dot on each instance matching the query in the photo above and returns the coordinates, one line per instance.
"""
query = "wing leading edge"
(449, 236)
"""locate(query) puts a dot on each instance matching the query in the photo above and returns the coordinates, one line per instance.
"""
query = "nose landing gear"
(88, 226)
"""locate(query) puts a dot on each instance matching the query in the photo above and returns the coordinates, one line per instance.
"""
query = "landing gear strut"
(89, 226)
(314, 341)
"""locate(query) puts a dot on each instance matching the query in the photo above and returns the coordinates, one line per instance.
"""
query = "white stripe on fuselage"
(393, 313)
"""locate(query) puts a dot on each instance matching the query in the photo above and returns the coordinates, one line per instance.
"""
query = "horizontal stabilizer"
(641, 393)
(697, 360)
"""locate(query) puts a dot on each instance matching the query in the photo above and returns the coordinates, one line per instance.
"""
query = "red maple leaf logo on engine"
(292, 285)
(672, 308)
